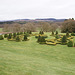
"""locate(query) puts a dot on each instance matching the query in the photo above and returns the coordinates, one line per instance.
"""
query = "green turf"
(0, 29)
(31, 58)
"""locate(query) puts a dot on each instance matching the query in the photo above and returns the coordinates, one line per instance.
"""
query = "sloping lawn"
(31, 58)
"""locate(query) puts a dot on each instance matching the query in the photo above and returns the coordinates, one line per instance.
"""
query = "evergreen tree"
(64, 40)
(14, 35)
(21, 33)
(67, 34)
(73, 34)
(18, 33)
(52, 32)
(25, 38)
(56, 32)
(9, 36)
(41, 39)
(57, 37)
(70, 44)
(1, 37)
(5, 35)
(41, 32)
(17, 39)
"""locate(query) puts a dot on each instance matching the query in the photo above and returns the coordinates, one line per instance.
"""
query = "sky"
(32, 9)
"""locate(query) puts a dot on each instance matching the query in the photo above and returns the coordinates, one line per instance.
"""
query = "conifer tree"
(25, 38)
(52, 32)
(67, 34)
(17, 39)
(56, 32)
(5, 35)
(70, 44)
(14, 35)
(64, 40)
(1, 37)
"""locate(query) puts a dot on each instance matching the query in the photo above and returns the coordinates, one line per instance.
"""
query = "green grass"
(31, 58)
(0, 29)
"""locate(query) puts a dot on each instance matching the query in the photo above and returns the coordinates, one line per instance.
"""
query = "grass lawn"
(0, 29)
(31, 58)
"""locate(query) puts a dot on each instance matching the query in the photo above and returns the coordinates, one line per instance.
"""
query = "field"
(32, 58)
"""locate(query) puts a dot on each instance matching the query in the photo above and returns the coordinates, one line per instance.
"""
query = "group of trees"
(30, 26)
(68, 26)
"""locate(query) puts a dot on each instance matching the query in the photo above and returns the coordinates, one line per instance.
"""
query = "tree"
(70, 44)
(5, 35)
(41, 39)
(45, 26)
(17, 39)
(56, 32)
(14, 35)
(64, 40)
(25, 38)
(1, 37)
(41, 32)
(68, 26)
(52, 32)
(67, 34)
(9, 36)
(57, 37)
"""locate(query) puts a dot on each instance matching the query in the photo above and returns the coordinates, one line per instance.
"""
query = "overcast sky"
(22, 9)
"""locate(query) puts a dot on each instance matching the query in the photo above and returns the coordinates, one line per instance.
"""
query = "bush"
(41, 32)
(73, 34)
(14, 35)
(64, 40)
(41, 39)
(29, 32)
(17, 39)
(5, 35)
(21, 33)
(25, 38)
(52, 32)
(9, 36)
(67, 34)
(18, 33)
(1, 37)
(57, 36)
(56, 32)
(70, 44)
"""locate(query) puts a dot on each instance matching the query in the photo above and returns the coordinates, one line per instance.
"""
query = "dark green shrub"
(73, 34)
(41, 39)
(70, 44)
(18, 33)
(14, 35)
(29, 32)
(67, 34)
(52, 32)
(17, 39)
(1, 37)
(41, 32)
(5, 35)
(9, 36)
(56, 32)
(25, 38)
(57, 36)
(64, 40)
(21, 33)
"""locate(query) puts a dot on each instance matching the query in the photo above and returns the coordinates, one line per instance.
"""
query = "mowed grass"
(31, 58)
